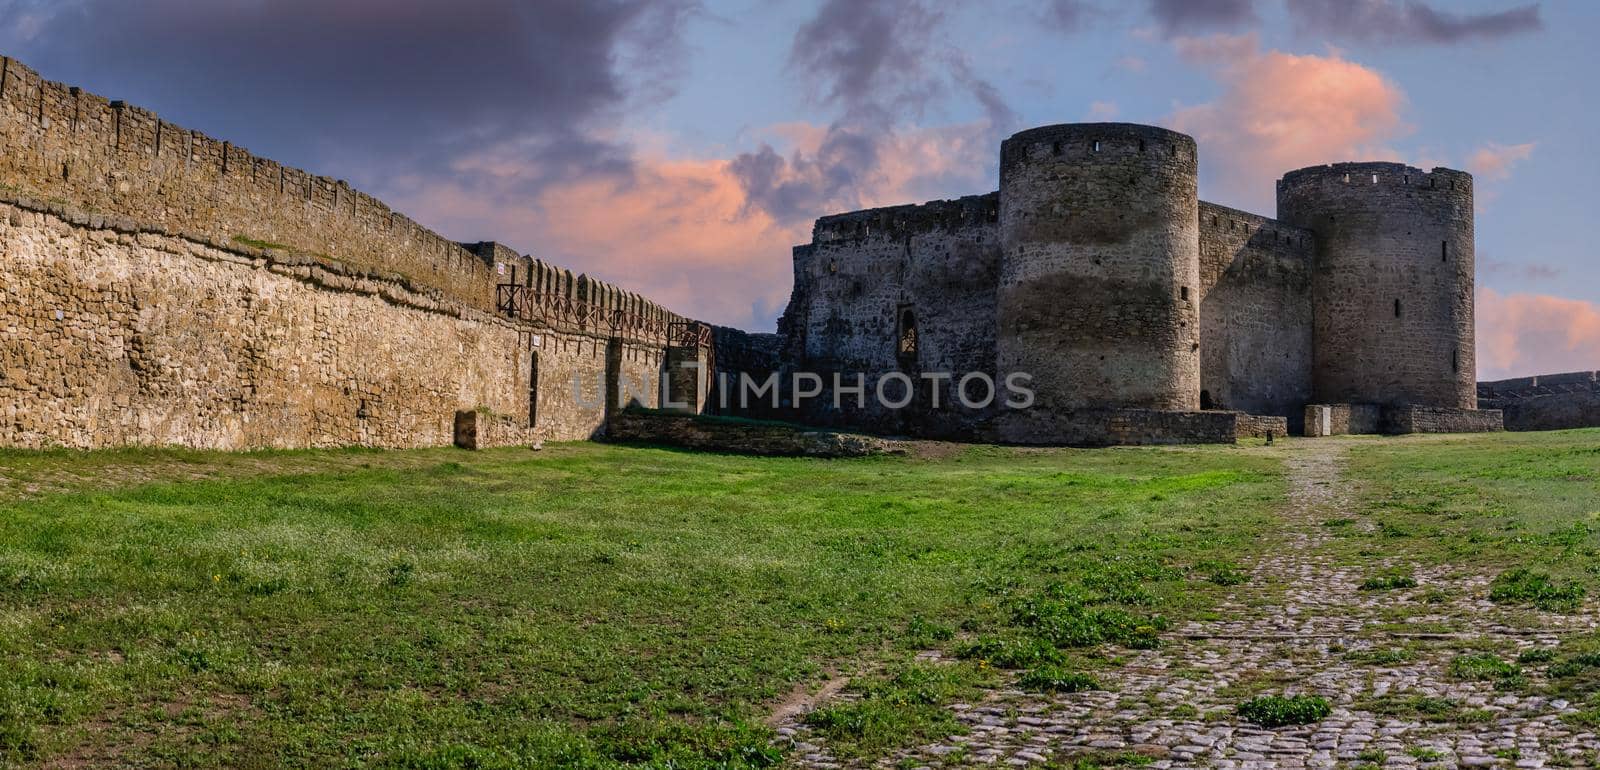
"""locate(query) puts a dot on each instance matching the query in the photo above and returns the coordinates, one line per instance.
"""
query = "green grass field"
(601, 606)
(1488, 502)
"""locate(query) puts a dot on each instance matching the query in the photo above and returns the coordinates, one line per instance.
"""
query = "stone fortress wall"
(867, 276)
(1255, 314)
(158, 286)
(1133, 303)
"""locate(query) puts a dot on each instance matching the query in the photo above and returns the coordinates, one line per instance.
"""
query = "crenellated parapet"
(61, 144)
(542, 293)
(902, 221)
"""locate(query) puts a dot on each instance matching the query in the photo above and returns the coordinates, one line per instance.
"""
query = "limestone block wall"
(583, 379)
(1128, 427)
(1342, 419)
(755, 355)
(1556, 411)
(1260, 426)
(1255, 314)
(1433, 419)
(117, 337)
(158, 286)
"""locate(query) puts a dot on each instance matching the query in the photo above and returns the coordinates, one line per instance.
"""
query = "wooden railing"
(522, 302)
(689, 334)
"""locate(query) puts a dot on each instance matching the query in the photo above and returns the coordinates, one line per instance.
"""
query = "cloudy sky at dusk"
(680, 148)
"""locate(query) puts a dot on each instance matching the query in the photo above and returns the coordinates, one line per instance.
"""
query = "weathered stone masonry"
(161, 287)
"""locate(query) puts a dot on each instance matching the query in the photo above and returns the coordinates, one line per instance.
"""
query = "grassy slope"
(587, 605)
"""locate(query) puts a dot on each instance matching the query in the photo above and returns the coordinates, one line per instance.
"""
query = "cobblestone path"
(1300, 625)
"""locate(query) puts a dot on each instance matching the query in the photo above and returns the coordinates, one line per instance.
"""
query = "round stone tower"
(1099, 282)
(1392, 285)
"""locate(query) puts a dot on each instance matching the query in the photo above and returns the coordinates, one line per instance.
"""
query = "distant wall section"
(1546, 401)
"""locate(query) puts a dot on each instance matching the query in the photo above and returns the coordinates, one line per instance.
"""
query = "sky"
(681, 147)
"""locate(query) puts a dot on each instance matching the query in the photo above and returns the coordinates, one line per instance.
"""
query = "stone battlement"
(163, 287)
(1378, 174)
(1091, 142)
(62, 144)
(1296, 242)
(899, 221)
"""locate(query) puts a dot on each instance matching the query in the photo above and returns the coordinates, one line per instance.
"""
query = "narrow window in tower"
(1097, 146)
(1374, 178)
(1444, 250)
(1455, 360)
(1347, 179)
(907, 343)
(1183, 292)
(1056, 148)
(1397, 308)
(1141, 145)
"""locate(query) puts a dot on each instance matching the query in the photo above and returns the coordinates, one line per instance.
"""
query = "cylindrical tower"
(1392, 285)
(1098, 294)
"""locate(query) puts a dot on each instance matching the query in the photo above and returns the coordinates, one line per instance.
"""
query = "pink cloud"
(674, 230)
(679, 232)
(1281, 111)
(1494, 161)
(686, 232)
(1523, 334)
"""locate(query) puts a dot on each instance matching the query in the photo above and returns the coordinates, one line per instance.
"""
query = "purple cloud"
(1407, 21)
(1179, 18)
(372, 90)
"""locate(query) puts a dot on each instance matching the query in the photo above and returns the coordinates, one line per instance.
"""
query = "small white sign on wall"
(500, 268)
